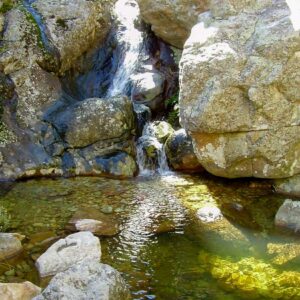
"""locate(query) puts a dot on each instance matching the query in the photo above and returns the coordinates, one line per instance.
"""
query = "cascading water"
(130, 43)
(151, 155)
(130, 49)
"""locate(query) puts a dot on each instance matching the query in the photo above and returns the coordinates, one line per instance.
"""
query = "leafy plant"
(173, 110)
(5, 219)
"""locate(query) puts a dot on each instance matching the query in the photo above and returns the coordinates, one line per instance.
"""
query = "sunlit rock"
(239, 78)
(19, 291)
(66, 252)
(87, 280)
(172, 20)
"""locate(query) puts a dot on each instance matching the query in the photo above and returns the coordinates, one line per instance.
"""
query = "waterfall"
(151, 155)
(130, 43)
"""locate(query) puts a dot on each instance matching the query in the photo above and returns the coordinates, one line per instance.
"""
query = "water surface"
(162, 251)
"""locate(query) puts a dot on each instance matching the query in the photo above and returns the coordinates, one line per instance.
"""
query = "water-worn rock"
(81, 122)
(161, 130)
(74, 26)
(147, 87)
(67, 252)
(39, 41)
(172, 20)
(288, 216)
(239, 93)
(180, 152)
(289, 186)
(19, 291)
(94, 221)
(87, 280)
(10, 245)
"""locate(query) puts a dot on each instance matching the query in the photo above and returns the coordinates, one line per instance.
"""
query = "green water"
(162, 250)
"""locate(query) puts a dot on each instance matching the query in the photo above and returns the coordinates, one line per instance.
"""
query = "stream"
(161, 250)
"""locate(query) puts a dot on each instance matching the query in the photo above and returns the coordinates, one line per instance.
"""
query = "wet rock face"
(87, 280)
(180, 152)
(172, 20)
(239, 94)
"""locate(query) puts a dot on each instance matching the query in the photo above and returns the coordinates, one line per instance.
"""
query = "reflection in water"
(161, 250)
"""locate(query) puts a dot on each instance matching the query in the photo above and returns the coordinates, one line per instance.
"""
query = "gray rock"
(172, 20)
(288, 186)
(239, 81)
(93, 120)
(180, 152)
(10, 245)
(87, 280)
(147, 87)
(288, 216)
(67, 252)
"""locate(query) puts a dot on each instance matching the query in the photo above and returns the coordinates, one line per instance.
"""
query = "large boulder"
(74, 26)
(10, 245)
(19, 291)
(172, 20)
(87, 280)
(239, 95)
(40, 40)
(180, 152)
(93, 120)
(66, 252)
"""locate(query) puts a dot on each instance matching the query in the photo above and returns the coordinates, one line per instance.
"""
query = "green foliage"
(7, 5)
(173, 110)
(4, 219)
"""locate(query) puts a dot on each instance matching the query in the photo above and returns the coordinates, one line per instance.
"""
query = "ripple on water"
(161, 250)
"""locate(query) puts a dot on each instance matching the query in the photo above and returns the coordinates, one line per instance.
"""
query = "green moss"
(62, 23)
(4, 219)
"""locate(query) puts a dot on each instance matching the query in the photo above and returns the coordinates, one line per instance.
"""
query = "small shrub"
(4, 219)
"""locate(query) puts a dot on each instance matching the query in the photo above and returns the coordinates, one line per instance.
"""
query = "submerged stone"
(10, 245)
(288, 216)
(94, 221)
(18, 291)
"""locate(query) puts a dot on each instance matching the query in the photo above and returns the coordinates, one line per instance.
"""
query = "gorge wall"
(68, 75)
(239, 83)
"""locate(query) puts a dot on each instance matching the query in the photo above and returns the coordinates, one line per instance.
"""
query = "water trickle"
(151, 155)
(129, 48)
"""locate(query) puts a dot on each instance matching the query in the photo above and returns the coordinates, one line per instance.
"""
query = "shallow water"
(162, 250)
